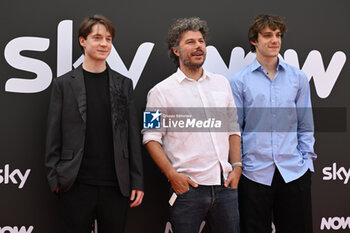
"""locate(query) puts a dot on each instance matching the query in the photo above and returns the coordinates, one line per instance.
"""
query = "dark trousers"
(215, 204)
(288, 205)
(83, 203)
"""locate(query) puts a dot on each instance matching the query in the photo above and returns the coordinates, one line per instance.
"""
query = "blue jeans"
(215, 204)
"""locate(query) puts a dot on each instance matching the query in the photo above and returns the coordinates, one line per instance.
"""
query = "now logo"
(335, 223)
(15, 229)
(313, 67)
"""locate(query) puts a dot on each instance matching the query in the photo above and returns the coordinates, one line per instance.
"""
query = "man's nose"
(103, 42)
(275, 39)
(199, 44)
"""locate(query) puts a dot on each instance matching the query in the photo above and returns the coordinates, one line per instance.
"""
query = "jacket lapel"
(78, 85)
(113, 84)
(118, 99)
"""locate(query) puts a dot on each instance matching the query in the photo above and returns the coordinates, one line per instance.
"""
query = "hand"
(233, 178)
(181, 182)
(136, 198)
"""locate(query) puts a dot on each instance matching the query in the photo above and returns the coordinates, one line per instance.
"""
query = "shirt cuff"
(310, 157)
(235, 133)
(147, 137)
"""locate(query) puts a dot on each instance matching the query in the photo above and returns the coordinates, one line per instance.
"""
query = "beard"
(186, 61)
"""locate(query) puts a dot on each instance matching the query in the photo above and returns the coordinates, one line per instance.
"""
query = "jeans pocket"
(180, 194)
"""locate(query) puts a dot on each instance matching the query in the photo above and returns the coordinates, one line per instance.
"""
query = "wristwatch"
(237, 164)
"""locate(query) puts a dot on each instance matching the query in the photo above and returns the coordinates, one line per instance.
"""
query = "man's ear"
(82, 41)
(253, 42)
(176, 51)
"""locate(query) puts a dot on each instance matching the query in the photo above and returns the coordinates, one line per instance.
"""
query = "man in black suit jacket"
(93, 149)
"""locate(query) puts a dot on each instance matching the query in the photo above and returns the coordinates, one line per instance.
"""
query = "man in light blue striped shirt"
(275, 115)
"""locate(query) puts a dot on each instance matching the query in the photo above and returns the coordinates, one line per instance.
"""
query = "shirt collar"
(180, 76)
(256, 65)
(281, 64)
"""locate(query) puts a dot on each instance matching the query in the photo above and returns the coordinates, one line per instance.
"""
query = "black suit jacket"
(66, 131)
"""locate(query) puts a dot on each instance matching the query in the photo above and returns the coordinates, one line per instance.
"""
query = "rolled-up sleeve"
(153, 102)
(234, 126)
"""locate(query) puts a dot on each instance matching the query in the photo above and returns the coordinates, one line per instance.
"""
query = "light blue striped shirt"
(276, 122)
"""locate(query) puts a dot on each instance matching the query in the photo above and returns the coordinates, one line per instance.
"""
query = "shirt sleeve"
(153, 103)
(233, 116)
(236, 88)
(305, 129)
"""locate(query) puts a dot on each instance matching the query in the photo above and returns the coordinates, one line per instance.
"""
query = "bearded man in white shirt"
(203, 167)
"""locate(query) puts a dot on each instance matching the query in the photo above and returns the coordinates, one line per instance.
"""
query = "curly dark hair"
(178, 28)
(260, 22)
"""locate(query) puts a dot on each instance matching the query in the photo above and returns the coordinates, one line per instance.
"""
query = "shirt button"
(272, 101)
(273, 115)
(275, 146)
(275, 161)
(274, 131)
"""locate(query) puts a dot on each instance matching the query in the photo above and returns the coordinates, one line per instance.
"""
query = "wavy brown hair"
(259, 23)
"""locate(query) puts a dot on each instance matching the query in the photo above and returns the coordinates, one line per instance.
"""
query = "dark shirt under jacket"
(67, 125)
(97, 167)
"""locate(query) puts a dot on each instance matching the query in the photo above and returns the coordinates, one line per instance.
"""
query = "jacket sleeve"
(53, 135)
(136, 167)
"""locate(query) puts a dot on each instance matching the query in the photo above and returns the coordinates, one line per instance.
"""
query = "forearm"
(235, 148)
(235, 157)
(159, 157)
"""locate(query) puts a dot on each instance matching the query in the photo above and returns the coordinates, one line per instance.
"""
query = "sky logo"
(151, 119)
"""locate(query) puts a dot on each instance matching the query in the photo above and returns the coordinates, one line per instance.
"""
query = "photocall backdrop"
(38, 43)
